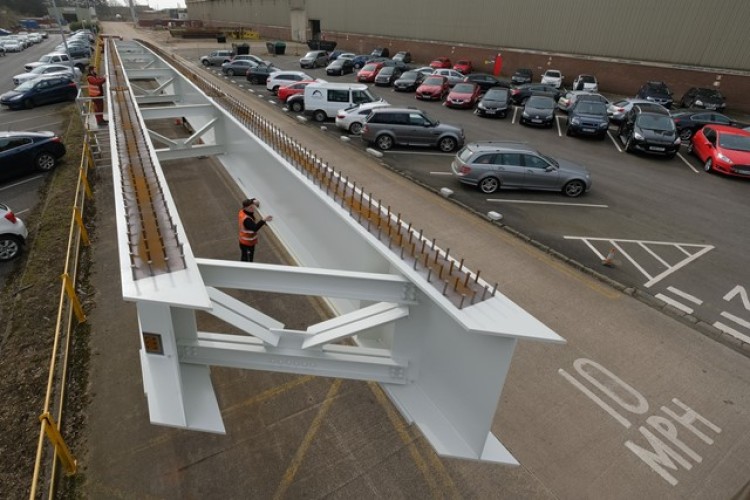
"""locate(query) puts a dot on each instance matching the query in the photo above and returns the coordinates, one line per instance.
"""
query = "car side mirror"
(549, 168)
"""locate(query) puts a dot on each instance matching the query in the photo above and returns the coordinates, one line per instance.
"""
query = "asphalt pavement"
(636, 404)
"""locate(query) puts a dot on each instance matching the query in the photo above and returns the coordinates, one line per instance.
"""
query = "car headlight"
(699, 102)
(525, 114)
(724, 158)
(677, 142)
(575, 121)
(638, 136)
(604, 125)
(481, 106)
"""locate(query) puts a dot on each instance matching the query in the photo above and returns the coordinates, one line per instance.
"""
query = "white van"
(323, 99)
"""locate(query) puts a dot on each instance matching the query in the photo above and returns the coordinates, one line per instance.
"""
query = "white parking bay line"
(515, 112)
(677, 305)
(21, 182)
(614, 141)
(684, 160)
(528, 202)
(559, 130)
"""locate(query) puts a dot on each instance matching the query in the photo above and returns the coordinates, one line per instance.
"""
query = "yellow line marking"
(268, 394)
(299, 456)
(446, 488)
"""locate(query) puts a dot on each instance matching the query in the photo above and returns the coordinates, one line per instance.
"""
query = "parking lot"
(669, 228)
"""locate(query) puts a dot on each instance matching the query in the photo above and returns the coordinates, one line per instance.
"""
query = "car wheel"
(709, 165)
(686, 134)
(275, 90)
(230, 72)
(296, 106)
(44, 161)
(341, 73)
(629, 145)
(206, 63)
(320, 116)
(10, 247)
(384, 142)
(254, 80)
(569, 131)
(355, 128)
(28, 103)
(489, 185)
(574, 189)
(447, 144)
(690, 148)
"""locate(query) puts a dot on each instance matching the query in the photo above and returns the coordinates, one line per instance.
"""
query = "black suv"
(698, 97)
(657, 92)
(522, 75)
(588, 117)
(649, 128)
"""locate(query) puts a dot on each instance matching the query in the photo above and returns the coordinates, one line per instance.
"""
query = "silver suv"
(217, 57)
(388, 127)
(494, 165)
(13, 234)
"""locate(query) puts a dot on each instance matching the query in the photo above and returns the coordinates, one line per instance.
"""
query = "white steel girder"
(443, 365)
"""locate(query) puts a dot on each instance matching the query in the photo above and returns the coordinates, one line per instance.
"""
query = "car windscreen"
(434, 80)
(656, 122)
(735, 142)
(387, 70)
(311, 55)
(463, 88)
(360, 96)
(27, 85)
(552, 74)
(496, 94)
(539, 102)
(588, 79)
(369, 67)
(591, 108)
(410, 75)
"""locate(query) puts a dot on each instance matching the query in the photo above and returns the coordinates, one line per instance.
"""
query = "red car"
(369, 71)
(287, 91)
(463, 95)
(464, 66)
(722, 149)
(440, 63)
(434, 87)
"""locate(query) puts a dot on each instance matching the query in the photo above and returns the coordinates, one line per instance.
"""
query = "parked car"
(260, 73)
(425, 70)
(463, 66)
(722, 149)
(22, 153)
(689, 122)
(314, 59)
(649, 129)
(251, 57)
(353, 118)
(234, 67)
(495, 102)
(12, 46)
(586, 82)
(48, 69)
(380, 52)
(657, 92)
(369, 71)
(552, 77)
(618, 110)
(284, 93)
(387, 76)
(538, 110)
(280, 78)
(564, 103)
(491, 166)
(409, 81)
(463, 95)
(217, 57)
(451, 75)
(340, 67)
(485, 81)
(347, 55)
(13, 234)
(360, 60)
(521, 93)
(698, 97)
(588, 117)
(441, 62)
(42, 90)
(388, 127)
(434, 87)
(403, 56)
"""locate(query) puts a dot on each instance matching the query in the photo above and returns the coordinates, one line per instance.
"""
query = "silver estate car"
(494, 165)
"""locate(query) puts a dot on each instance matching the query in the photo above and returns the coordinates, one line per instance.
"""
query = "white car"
(451, 75)
(12, 46)
(586, 82)
(284, 78)
(47, 69)
(352, 119)
(13, 234)
(347, 55)
(52, 58)
(553, 77)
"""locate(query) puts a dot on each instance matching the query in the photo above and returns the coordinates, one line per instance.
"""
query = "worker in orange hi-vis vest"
(249, 226)
(96, 90)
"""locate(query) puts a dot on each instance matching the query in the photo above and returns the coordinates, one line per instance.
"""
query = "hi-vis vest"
(247, 237)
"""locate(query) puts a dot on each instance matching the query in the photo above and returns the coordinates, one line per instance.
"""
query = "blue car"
(360, 60)
(42, 90)
(22, 153)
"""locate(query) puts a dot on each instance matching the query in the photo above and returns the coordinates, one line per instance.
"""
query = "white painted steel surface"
(443, 366)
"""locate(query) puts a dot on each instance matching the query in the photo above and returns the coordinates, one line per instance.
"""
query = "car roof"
(726, 129)
(652, 108)
(18, 133)
(397, 110)
(500, 146)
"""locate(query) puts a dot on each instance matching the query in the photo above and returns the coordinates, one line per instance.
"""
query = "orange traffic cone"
(608, 261)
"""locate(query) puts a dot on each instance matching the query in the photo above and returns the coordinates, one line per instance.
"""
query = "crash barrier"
(446, 273)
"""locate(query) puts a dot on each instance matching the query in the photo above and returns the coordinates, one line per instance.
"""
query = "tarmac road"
(635, 405)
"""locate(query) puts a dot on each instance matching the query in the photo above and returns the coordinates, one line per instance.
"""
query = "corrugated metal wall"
(690, 32)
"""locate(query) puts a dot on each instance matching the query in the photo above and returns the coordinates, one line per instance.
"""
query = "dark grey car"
(588, 117)
(387, 127)
(494, 165)
(539, 110)
(495, 102)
